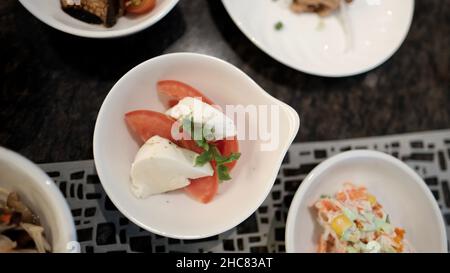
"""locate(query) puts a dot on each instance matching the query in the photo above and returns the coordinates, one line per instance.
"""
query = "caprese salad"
(192, 146)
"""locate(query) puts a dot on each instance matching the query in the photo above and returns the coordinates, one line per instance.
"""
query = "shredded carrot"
(358, 194)
(377, 209)
(329, 206)
(400, 233)
(322, 248)
(399, 248)
(341, 197)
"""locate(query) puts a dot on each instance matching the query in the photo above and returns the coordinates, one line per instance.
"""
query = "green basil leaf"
(229, 159)
(203, 158)
(203, 144)
(222, 172)
(220, 159)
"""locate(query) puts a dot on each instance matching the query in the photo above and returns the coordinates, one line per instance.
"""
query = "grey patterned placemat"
(101, 228)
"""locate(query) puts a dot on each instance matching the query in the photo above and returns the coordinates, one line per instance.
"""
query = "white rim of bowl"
(99, 34)
(48, 185)
(267, 51)
(294, 121)
(309, 179)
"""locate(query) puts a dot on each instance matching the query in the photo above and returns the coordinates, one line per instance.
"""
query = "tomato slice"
(204, 189)
(226, 148)
(191, 145)
(139, 6)
(146, 124)
(174, 91)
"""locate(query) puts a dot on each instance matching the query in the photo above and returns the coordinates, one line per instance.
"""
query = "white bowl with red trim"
(175, 214)
(50, 13)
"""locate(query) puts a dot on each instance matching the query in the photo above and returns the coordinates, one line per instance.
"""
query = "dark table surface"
(53, 84)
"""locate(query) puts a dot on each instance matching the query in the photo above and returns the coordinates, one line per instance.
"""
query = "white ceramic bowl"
(176, 214)
(40, 193)
(403, 194)
(50, 12)
(319, 46)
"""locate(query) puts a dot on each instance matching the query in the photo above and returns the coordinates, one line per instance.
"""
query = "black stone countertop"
(52, 84)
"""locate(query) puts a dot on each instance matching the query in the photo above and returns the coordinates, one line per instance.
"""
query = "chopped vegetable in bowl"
(354, 222)
(20, 228)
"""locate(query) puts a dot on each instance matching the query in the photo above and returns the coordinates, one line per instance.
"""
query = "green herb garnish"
(211, 152)
(224, 159)
(203, 158)
(203, 144)
(223, 173)
(279, 25)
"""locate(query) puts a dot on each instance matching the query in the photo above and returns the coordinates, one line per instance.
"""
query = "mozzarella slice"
(218, 126)
(161, 166)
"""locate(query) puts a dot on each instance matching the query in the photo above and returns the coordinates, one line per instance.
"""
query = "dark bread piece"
(104, 12)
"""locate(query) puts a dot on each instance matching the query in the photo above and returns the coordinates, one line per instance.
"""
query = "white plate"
(318, 46)
(402, 193)
(175, 214)
(50, 12)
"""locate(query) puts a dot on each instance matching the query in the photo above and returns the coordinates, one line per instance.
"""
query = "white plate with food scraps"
(403, 195)
(352, 40)
(51, 13)
(175, 214)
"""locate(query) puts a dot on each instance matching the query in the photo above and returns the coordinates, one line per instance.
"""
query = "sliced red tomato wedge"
(205, 188)
(174, 91)
(191, 145)
(139, 6)
(146, 124)
(226, 148)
